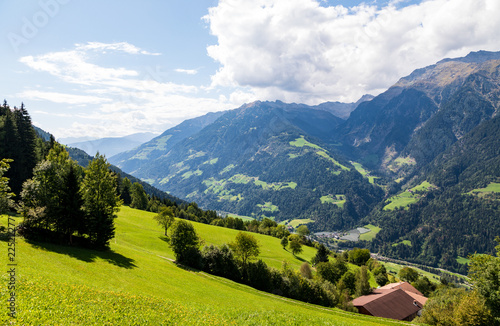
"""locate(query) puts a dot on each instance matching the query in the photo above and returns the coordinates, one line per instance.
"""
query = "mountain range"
(338, 165)
(111, 145)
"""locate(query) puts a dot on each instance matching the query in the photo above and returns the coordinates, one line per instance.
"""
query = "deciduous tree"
(245, 247)
(184, 241)
(295, 247)
(408, 274)
(165, 218)
(284, 242)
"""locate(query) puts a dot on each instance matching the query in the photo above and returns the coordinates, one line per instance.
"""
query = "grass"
(325, 155)
(404, 199)
(295, 223)
(407, 197)
(492, 187)
(395, 268)
(136, 283)
(338, 200)
(189, 174)
(301, 142)
(363, 172)
(424, 186)
(404, 242)
(212, 161)
(244, 218)
(268, 207)
(227, 168)
(370, 235)
(463, 260)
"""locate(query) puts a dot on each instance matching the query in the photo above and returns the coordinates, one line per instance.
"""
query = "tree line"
(64, 202)
(333, 285)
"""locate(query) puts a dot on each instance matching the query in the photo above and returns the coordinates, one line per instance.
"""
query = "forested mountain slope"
(267, 159)
(460, 216)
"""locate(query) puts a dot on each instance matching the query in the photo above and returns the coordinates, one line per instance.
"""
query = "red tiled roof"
(388, 303)
(405, 286)
(420, 298)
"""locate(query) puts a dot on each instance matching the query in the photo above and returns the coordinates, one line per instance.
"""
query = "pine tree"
(126, 185)
(139, 196)
(71, 217)
(101, 201)
(5, 194)
(28, 141)
(10, 145)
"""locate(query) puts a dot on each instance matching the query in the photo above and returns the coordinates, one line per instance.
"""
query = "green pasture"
(137, 283)
(296, 222)
(492, 187)
(338, 200)
(369, 236)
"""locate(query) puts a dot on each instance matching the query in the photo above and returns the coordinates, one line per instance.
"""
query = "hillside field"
(137, 283)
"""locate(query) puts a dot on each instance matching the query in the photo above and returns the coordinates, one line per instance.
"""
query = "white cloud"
(62, 98)
(187, 71)
(110, 101)
(298, 50)
(121, 46)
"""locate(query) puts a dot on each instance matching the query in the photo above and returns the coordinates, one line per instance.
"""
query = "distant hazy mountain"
(112, 145)
(131, 159)
(83, 159)
(343, 110)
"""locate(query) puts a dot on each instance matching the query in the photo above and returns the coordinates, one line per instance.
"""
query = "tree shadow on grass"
(86, 255)
(164, 238)
(300, 258)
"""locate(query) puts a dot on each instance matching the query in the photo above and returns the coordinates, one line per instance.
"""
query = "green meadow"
(369, 236)
(296, 222)
(408, 197)
(492, 187)
(137, 283)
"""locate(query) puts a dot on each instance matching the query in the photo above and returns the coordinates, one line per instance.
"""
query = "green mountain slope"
(137, 283)
(266, 159)
(457, 217)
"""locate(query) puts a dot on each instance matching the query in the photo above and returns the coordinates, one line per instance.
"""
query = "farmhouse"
(396, 301)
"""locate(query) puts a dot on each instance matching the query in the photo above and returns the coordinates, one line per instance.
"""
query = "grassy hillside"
(136, 283)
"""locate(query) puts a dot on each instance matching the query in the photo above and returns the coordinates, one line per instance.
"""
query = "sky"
(89, 68)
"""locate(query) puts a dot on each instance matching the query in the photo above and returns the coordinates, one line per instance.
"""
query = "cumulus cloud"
(304, 51)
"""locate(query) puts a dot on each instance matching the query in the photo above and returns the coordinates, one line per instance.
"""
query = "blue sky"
(112, 68)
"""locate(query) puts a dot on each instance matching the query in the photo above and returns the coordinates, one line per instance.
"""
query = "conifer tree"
(5, 194)
(10, 145)
(100, 201)
(139, 197)
(71, 217)
(27, 138)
